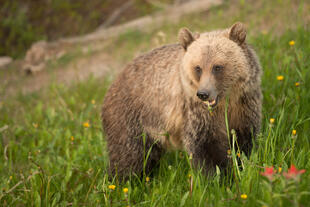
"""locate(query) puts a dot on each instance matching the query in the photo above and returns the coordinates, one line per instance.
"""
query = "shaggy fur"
(153, 106)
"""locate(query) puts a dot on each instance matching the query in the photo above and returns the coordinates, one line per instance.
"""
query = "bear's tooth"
(207, 102)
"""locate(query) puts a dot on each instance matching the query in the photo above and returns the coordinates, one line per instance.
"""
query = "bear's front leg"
(208, 150)
(247, 122)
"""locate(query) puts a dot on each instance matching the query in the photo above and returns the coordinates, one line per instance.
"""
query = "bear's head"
(214, 64)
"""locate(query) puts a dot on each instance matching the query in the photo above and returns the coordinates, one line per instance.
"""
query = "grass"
(49, 156)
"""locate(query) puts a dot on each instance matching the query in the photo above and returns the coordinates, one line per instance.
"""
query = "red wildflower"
(269, 172)
(293, 173)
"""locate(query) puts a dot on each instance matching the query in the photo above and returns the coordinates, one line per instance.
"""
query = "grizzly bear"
(176, 97)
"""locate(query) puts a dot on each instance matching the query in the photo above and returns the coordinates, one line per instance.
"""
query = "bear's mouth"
(212, 102)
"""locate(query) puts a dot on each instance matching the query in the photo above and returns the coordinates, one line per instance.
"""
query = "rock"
(35, 58)
(4, 61)
(38, 55)
(33, 69)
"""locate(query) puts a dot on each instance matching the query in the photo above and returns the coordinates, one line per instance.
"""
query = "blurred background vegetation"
(52, 149)
(27, 21)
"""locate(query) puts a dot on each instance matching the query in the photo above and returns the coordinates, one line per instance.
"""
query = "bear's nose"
(203, 95)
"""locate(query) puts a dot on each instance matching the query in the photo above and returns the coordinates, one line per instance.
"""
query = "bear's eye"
(198, 70)
(217, 68)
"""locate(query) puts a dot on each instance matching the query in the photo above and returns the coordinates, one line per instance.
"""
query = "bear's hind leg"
(133, 155)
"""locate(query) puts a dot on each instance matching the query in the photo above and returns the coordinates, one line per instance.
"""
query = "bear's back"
(149, 86)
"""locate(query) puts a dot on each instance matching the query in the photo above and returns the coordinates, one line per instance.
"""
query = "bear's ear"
(185, 37)
(237, 33)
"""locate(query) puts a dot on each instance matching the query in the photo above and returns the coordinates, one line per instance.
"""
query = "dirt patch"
(96, 65)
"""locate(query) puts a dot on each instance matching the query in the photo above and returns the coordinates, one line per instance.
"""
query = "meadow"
(53, 149)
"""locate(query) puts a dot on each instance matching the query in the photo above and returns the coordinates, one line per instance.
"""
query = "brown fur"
(152, 105)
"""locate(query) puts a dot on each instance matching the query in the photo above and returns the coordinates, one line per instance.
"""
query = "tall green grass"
(49, 156)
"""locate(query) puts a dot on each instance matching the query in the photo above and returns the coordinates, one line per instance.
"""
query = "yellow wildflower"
(147, 179)
(11, 177)
(112, 187)
(271, 120)
(297, 84)
(280, 77)
(264, 32)
(238, 154)
(244, 196)
(291, 43)
(86, 124)
(229, 152)
(72, 138)
(294, 132)
(93, 101)
(125, 190)
(189, 175)
(280, 169)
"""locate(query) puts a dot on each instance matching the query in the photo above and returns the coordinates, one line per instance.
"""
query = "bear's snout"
(208, 97)
(203, 95)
